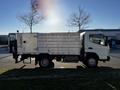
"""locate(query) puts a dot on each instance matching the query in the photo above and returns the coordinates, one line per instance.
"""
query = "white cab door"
(95, 43)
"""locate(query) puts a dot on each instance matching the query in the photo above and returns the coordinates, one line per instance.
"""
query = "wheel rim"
(92, 62)
(44, 62)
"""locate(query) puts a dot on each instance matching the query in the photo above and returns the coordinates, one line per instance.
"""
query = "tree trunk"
(79, 27)
(31, 29)
(31, 25)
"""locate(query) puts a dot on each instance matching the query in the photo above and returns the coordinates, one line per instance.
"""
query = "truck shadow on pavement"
(105, 78)
(35, 73)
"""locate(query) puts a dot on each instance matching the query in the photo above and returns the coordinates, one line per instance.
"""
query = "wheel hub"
(44, 62)
(92, 62)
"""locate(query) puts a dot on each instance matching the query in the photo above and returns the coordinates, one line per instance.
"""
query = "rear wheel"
(91, 62)
(44, 63)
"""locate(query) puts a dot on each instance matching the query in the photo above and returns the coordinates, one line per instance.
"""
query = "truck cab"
(96, 48)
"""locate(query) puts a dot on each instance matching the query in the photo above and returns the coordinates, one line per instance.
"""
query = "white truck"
(88, 47)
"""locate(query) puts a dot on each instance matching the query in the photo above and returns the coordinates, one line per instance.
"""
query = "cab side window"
(97, 39)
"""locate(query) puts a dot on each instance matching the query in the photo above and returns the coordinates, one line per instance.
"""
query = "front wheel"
(91, 62)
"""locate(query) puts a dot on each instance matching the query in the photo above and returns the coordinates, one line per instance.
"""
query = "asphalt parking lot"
(7, 62)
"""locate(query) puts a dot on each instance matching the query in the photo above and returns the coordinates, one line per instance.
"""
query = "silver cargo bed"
(51, 43)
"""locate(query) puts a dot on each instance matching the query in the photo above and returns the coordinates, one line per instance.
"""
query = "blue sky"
(104, 14)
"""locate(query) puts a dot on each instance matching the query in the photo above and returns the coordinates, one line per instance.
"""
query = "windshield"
(98, 39)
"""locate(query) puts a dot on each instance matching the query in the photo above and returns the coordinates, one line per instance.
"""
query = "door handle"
(90, 48)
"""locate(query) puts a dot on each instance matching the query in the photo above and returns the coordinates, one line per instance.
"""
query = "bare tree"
(31, 18)
(79, 19)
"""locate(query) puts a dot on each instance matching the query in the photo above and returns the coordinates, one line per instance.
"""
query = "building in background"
(3, 39)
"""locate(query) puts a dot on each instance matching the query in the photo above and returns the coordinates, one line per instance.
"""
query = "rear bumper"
(108, 59)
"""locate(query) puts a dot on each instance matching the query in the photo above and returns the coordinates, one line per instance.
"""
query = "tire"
(44, 63)
(91, 62)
